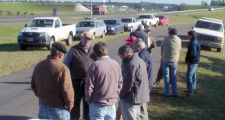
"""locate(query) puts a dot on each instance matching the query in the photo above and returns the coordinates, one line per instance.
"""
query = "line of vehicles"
(44, 31)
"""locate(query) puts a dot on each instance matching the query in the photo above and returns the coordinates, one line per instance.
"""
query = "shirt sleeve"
(193, 49)
(68, 58)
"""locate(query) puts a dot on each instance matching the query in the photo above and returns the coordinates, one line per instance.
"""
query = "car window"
(209, 26)
(126, 20)
(102, 23)
(86, 24)
(110, 22)
(57, 23)
(41, 23)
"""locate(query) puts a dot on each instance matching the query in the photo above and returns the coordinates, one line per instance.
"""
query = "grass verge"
(207, 104)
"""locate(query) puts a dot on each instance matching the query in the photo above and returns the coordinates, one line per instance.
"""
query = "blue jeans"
(130, 111)
(53, 113)
(169, 76)
(191, 77)
(102, 112)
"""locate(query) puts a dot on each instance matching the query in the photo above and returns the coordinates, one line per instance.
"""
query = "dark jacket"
(135, 80)
(79, 61)
(51, 83)
(146, 57)
(193, 53)
(141, 34)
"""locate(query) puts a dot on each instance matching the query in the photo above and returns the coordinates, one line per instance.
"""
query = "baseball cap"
(130, 40)
(140, 27)
(87, 35)
(60, 47)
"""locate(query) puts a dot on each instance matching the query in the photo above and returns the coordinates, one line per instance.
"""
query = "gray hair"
(139, 42)
(125, 49)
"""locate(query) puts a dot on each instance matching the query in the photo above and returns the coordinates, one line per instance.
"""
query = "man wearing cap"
(78, 59)
(139, 33)
(170, 50)
(51, 83)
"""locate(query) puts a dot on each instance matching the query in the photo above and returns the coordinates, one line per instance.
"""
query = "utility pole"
(91, 9)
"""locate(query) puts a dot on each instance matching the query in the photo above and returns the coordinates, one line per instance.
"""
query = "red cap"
(130, 40)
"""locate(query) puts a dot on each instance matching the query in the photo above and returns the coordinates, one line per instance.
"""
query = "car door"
(58, 30)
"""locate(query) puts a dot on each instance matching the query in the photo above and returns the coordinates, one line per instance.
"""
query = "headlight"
(42, 34)
(20, 34)
(112, 28)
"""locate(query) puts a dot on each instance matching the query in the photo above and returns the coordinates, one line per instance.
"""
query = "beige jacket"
(171, 48)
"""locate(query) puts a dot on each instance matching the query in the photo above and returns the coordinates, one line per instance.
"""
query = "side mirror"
(25, 25)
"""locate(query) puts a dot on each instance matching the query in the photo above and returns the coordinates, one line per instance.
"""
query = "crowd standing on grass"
(106, 89)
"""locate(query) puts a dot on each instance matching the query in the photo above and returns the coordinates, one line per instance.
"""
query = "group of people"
(90, 75)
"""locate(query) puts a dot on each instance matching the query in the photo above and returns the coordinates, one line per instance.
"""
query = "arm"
(89, 83)
(120, 81)
(67, 88)
(68, 58)
(193, 49)
(33, 85)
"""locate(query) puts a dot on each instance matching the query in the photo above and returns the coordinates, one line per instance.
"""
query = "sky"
(194, 2)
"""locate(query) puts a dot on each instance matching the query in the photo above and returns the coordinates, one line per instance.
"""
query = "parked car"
(114, 26)
(44, 31)
(130, 23)
(148, 19)
(96, 27)
(163, 20)
(210, 33)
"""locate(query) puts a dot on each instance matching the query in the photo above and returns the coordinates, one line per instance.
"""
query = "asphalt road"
(17, 101)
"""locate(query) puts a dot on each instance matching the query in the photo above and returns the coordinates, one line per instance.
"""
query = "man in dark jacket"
(135, 89)
(192, 61)
(139, 33)
(51, 83)
(78, 59)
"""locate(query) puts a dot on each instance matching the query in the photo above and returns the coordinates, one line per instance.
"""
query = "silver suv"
(96, 27)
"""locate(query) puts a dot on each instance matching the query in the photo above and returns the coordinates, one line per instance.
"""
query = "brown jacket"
(51, 83)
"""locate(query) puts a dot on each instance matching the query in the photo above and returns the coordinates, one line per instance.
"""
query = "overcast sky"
(196, 2)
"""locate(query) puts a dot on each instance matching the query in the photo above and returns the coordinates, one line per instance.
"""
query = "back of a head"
(172, 31)
(57, 48)
(100, 49)
(140, 27)
(192, 34)
(140, 43)
(125, 49)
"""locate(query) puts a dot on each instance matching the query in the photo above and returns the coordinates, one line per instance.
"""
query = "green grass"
(207, 104)
(35, 8)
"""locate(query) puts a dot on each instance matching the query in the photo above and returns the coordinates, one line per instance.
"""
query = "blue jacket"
(193, 53)
(146, 57)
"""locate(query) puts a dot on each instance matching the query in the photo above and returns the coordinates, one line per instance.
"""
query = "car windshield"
(86, 24)
(160, 17)
(41, 23)
(126, 20)
(145, 16)
(110, 22)
(209, 26)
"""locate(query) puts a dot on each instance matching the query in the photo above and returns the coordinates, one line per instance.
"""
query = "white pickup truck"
(148, 19)
(44, 31)
(130, 23)
(210, 33)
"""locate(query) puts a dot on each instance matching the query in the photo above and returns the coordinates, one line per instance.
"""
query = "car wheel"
(51, 41)
(69, 40)
(23, 47)
(219, 50)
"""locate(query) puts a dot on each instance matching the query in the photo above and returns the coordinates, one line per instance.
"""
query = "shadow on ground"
(8, 117)
(16, 82)
(12, 47)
